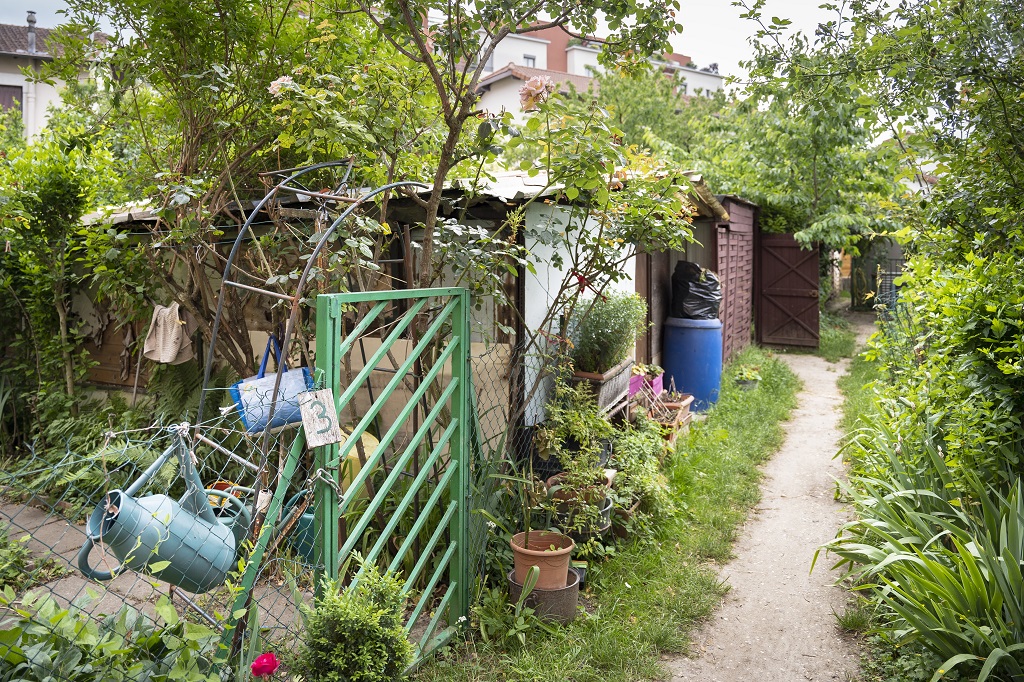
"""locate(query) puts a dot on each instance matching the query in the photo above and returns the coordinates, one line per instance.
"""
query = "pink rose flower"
(265, 665)
(276, 86)
(535, 91)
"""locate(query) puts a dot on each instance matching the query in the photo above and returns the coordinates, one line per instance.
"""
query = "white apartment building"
(567, 61)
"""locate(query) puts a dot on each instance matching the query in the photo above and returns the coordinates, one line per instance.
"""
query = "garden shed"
(507, 370)
(723, 234)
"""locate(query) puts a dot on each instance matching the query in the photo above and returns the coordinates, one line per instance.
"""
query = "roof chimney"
(31, 19)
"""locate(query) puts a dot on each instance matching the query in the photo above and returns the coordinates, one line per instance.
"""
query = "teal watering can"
(183, 542)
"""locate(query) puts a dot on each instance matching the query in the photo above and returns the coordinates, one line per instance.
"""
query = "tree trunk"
(69, 362)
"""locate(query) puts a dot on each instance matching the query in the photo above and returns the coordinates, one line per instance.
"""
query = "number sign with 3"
(319, 419)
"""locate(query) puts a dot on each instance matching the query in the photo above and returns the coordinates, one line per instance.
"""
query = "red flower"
(265, 665)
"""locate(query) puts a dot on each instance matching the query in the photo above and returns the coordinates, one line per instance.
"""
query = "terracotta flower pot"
(547, 550)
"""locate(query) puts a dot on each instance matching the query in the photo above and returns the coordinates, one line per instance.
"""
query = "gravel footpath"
(777, 621)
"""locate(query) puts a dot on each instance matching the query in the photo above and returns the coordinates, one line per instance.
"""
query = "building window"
(530, 60)
(10, 97)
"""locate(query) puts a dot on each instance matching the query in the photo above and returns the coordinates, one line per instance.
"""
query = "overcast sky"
(713, 31)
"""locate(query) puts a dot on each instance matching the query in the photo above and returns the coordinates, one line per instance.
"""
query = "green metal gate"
(398, 364)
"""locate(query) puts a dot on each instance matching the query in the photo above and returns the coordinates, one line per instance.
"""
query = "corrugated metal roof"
(512, 186)
(508, 186)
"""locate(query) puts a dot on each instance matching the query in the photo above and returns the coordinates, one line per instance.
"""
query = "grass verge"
(858, 396)
(837, 340)
(648, 597)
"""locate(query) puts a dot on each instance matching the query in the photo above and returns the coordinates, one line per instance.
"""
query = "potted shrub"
(550, 551)
(640, 486)
(574, 427)
(603, 332)
(579, 436)
(747, 377)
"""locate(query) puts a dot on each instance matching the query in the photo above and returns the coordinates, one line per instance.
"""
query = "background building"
(25, 47)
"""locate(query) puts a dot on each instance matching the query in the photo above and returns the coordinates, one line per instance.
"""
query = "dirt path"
(777, 622)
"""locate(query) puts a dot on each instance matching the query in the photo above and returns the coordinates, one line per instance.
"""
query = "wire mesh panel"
(120, 555)
(151, 553)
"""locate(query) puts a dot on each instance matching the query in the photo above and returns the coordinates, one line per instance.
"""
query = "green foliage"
(937, 489)
(889, 661)
(858, 389)
(649, 103)
(604, 329)
(506, 623)
(177, 389)
(855, 617)
(575, 428)
(44, 189)
(19, 569)
(954, 359)
(808, 162)
(12, 130)
(612, 198)
(186, 111)
(356, 633)
(636, 457)
(837, 339)
(354, 95)
(944, 566)
(73, 458)
(43, 642)
(747, 373)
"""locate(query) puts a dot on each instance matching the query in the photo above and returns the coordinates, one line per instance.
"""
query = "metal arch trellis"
(450, 446)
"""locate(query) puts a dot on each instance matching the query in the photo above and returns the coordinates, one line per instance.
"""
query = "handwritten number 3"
(322, 416)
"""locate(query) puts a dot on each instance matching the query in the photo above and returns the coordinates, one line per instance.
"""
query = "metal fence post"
(328, 366)
(458, 570)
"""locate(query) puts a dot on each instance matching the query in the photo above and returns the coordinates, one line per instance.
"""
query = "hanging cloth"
(170, 338)
(187, 350)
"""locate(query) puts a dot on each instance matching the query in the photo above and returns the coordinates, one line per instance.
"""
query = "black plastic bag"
(696, 292)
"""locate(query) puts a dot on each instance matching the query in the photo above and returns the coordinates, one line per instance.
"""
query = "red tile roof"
(524, 73)
(14, 40)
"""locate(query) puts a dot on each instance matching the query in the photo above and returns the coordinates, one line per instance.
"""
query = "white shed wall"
(541, 289)
(503, 95)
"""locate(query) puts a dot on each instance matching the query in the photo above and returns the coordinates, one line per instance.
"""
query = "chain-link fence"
(137, 548)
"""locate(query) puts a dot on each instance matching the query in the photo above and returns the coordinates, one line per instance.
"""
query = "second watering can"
(182, 542)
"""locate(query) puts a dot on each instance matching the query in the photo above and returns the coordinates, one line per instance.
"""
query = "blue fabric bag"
(252, 396)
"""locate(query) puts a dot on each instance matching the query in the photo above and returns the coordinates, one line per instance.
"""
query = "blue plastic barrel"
(692, 356)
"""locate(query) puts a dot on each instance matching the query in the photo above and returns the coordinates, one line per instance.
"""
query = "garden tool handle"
(89, 571)
(243, 511)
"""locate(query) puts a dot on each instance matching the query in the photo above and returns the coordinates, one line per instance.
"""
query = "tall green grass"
(647, 598)
(836, 338)
(859, 396)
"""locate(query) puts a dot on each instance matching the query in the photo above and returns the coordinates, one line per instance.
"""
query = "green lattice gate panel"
(398, 365)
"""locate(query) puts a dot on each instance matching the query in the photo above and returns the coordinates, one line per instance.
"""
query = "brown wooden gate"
(787, 292)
